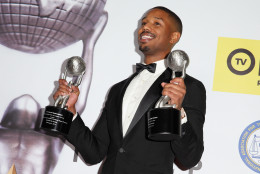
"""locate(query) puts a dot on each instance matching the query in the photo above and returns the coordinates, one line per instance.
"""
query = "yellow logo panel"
(237, 66)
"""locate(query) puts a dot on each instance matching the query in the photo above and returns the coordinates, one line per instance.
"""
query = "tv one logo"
(243, 64)
(237, 68)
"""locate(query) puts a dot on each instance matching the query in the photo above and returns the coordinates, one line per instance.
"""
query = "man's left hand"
(176, 90)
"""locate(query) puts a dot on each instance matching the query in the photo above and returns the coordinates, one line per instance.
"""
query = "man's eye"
(143, 23)
(157, 23)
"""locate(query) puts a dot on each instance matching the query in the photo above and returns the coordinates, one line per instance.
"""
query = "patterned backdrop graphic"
(46, 25)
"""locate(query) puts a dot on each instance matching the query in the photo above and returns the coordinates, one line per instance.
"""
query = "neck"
(153, 58)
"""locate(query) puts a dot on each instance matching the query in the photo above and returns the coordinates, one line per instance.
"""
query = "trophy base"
(56, 120)
(164, 124)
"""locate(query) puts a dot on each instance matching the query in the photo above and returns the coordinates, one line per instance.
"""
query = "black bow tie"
(150, 67)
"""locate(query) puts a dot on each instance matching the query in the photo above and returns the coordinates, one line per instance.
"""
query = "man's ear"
(175, 37)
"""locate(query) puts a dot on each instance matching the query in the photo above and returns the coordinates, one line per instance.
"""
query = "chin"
(144, 49)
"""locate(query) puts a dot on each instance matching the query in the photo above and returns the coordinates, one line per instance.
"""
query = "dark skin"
(156, 37)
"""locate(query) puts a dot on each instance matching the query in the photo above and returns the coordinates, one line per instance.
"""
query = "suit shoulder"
(119, 84)
(191, 81)
(116, 88)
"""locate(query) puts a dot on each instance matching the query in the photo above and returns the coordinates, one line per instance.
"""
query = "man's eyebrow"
(159, 18)
(155, 18)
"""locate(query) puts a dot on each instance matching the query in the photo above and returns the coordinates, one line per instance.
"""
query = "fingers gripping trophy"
(57, 118)
(164, 121)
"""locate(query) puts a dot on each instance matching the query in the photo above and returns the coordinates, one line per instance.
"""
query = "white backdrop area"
(115, 53)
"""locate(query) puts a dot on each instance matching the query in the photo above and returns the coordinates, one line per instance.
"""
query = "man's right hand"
(73, 92)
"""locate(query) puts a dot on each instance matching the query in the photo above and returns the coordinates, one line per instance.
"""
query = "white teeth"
(146, 37)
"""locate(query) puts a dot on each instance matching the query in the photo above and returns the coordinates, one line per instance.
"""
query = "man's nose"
(146, 27)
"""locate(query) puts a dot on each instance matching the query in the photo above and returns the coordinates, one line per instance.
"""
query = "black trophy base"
(56, 120)
(164, 124)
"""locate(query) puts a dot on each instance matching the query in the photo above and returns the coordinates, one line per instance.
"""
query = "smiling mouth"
(146, 36)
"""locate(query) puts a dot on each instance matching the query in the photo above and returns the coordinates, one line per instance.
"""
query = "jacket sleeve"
(92, 145)
(188, 150)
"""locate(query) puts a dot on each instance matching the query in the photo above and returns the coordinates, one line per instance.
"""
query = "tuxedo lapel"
(149, 99)
(121, 96)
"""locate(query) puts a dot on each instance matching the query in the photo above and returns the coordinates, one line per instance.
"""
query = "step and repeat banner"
(36, 36)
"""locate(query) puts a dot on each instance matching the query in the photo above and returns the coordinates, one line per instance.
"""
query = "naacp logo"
(241, 61)
(249, 146)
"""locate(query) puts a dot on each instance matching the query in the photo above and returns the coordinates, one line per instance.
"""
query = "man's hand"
(73, 92)
(176, 90)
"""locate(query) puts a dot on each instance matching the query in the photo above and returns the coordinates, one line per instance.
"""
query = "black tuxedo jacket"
(134, 153)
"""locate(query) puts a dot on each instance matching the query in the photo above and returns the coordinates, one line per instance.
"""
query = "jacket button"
(121, 150)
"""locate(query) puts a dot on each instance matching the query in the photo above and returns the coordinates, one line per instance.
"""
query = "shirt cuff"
(74, 116)
(183, 116)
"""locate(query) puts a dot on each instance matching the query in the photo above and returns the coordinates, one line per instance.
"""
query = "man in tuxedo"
(120, 136)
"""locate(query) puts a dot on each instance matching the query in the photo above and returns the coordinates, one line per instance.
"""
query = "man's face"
(155, 33)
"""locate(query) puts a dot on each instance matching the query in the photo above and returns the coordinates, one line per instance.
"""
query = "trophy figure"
(164, 121)
(57, 118)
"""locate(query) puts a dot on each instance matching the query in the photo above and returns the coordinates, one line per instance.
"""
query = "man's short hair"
(176, 18)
